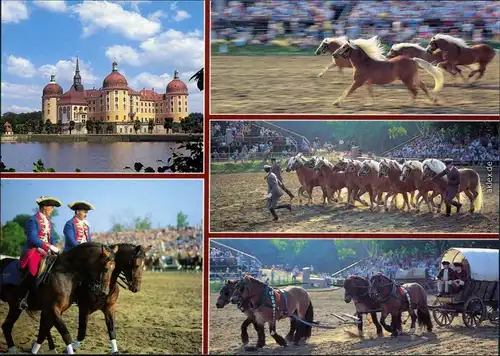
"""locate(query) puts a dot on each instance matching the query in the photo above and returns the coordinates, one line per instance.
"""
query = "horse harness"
(272, 294)
(397, 291)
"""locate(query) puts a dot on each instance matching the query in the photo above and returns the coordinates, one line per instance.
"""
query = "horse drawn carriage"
(478, 299)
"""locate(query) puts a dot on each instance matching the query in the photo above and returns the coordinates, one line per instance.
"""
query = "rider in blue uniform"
(77, 229)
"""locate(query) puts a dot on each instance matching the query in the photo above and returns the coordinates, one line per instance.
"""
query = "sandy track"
(164, 317)
(225, 334)
(289, 84)
(237, 204)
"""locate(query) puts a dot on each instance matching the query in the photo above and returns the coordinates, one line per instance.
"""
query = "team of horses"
(262, 304)
(381, 180)
(88, 275)
(402, 62)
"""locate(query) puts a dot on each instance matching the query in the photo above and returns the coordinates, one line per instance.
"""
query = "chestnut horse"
(308, 179)
(335, 181)
(392, 170)
(374, 184)
(395, 300)
(457, 52)
(369, 70)
(225, 295)
(412, 174)
(355, 189)
(332, 44)
(270, 305)
(413, 50)
(356, 288)
(470, 183)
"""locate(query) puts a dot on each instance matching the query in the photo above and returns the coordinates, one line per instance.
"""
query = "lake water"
(88, 157)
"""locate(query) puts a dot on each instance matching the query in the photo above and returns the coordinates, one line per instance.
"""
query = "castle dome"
(115, 80)
(52, 88)
(177, 86)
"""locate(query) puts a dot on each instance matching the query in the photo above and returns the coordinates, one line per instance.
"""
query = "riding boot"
(27, 285)
(448, 210)
(273, 213)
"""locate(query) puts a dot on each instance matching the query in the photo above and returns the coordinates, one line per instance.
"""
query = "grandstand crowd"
(305, 22)
(475, 150)
(165, 242)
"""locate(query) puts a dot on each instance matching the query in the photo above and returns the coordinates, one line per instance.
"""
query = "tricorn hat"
(267, 166)
(80, 205)
(448, 161)
(48, 201)
(445, 263)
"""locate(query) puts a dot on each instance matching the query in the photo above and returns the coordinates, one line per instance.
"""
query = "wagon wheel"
(441, 316)
(473, 313)
(492, 314)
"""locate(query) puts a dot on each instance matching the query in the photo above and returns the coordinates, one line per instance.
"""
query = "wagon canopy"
(481, 263)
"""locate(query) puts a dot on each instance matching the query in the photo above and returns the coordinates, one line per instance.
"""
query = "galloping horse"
(374, 184)
(413, 50)
(470, 183)
(332, 44)
(225, 295)
(335, 181)
(369, 70)
(392, 170)
(355, 189)
(395, 299)
(270, 305)
(457, 52)
(356, 288)
(308, 179)
(412, 174)
(89, 265)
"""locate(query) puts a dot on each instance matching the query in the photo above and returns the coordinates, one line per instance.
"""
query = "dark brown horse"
(270, 305)
(369, 70)
(456, 52)
(357, 288)
(395, 300)
(225, 295)
(89, 265)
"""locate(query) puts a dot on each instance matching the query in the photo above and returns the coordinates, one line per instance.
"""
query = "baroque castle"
(115, 103)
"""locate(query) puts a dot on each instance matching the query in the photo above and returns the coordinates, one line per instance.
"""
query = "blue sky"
(149, 39)
(115, 200)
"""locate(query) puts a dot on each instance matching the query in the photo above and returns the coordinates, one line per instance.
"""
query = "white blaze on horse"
(331, 44)
(470, 183)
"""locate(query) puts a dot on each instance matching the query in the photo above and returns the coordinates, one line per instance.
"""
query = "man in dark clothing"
(445, 278)
(277, 170)
(460, 277)
(452, 190)
(274, 192)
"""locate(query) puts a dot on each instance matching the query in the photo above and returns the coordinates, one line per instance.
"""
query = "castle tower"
(177, 98)
(50, 95)
(116, 102)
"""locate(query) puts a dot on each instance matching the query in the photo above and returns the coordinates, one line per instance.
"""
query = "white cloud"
(20, 67)
(18, 109)
(181, 15)
(55, 6)
(184, 51)
(95, 16)
(14, 11)
(21, 91)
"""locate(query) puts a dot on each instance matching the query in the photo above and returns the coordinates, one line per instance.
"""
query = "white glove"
(269, 196)
(54, 249)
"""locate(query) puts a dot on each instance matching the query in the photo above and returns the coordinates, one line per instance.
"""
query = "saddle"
(46, 265)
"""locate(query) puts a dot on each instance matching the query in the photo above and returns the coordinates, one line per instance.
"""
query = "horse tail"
(309, 317)
(424, 318)
(478, 201)
(436, 73)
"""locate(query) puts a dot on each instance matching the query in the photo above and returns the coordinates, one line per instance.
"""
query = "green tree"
(13, 238)
(72, 125)
(143, 224)
(89, 126)
(109, 128)
(117, 227)
(182, 220)
(49, 127)
(137, 125)
(59, 127)
(169, 124)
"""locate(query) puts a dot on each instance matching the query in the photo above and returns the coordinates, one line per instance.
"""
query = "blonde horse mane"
(372, 164)
(338, 40)
(372, 47)
(399, 46)
(434, 165)
(413, 165)
(455, 40)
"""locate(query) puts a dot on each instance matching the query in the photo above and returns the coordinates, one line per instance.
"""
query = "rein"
(394, 286)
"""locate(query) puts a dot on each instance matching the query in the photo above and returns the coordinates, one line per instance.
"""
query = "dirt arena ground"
(164, 317)
(237, 204)
(457, 339)
(289, 84)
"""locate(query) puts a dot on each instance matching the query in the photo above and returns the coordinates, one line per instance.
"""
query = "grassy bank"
(100, 138)
(232, 167)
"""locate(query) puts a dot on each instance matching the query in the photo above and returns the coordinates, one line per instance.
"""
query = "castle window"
(121, 130)
(116, 98)
(108, 118)
(116, 92)
(124, 106)
(124, 117)
(116, 117)
(116, 107)
(48, 112)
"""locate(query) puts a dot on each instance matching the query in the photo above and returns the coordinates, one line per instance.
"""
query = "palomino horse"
(413, 50)
(412, 174)
(392, 170)
(307, 178)
(470, 182)
(395, 299)
(269, 305)
(457, 52)
(225, 295)
(355, 189)
(356, 288)
(332, 44)
(89, 266)
(335, 181)
(374, 184)
(369, 70)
